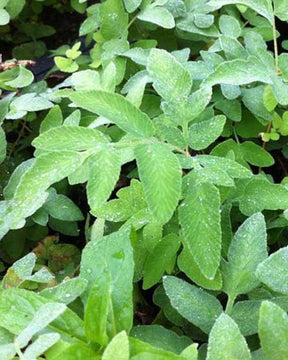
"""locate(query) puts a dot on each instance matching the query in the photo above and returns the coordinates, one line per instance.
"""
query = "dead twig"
(11, 65)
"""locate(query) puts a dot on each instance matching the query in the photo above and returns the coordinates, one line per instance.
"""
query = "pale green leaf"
(42, 344)
(43, 317)
(190, 353)
(229, 26)
(239, 72)
(69, 138)
(7, 351)
(194, 304)
(262, 7)
(248, 248)
(28, 303)
(185, 110)
(260, 194)
(4, 17)
(132, 5)
(118, 348)
(281, 9)
(273, 331)
(158, 15)
(272, 271)
(66, 292)
(24, 266)
(86, 80)
(66, 64)
(116, 109)
(104, 171)
(199, 216)
(204, 133)
(170, 79)
(226, 342)
(161, 175)
(24, 78)
(246, 313)
(53, 119)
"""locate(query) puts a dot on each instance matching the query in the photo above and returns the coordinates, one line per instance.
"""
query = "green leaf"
(184, 111)
(30, 193)
(66, 64)
(272, 271)
(248, 248)
(140, 350)
(118, 348)
(14, 7)
(256, 155)
(107, 264)
(43, 317)
(65, 292)
(190, 353)
(104, 171)
(239, 72)
(231, 167)
(229, 26)
(8, 351)
(24, 78)
(272, 196)
(131, 200)
(4, 17)
(53, 119)
(161, 175)
(42, 344)
(116, 109)
(26, 304)
(160, 260)
(24, 266)
(246, 313)
(281, 9)
(132, 5)
(262, 7)
(226, 341)
(3, 145)
(199, 216)
(86, 80)
(185, 297)
(62, 208)
(204, 133)
(113, 20)
(187, 264)
(269, 99)
(170, 79)
(97, 310)
(157, 15)
(69, 138)
(273, 329)
(161, 337)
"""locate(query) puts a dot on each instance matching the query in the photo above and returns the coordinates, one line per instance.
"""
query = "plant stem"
(132, 21)
(229, 304)
(276, 52)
